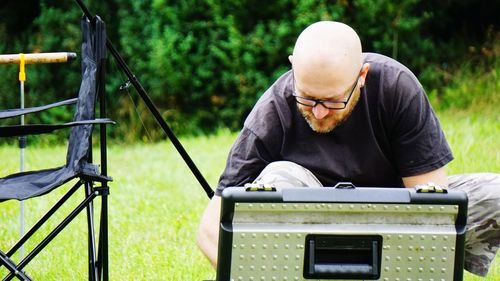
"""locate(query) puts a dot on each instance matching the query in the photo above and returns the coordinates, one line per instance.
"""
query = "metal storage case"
(341, 234)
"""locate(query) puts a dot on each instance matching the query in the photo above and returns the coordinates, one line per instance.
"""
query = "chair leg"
(53, 234)
(43, 219)
(12, 267)
(96, 267)
(93, 270)
(103, 234)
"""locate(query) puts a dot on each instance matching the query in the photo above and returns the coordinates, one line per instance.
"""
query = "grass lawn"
(156, 203)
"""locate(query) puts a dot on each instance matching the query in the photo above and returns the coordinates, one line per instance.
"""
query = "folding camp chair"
(25, 185)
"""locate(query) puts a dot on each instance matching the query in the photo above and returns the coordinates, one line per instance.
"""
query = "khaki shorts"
(483, 190)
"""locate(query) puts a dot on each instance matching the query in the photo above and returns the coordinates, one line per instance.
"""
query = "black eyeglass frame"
(300, 99)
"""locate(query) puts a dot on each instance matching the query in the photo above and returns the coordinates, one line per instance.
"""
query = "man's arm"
(437, 176)
(208, 231)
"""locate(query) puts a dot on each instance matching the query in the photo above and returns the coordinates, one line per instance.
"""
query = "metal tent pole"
(22, 146)
(153, 109)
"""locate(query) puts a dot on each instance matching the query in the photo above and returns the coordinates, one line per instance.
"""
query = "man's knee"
(287, 174)
(483, 220)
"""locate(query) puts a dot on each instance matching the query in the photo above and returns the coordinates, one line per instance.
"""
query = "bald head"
(326, 58)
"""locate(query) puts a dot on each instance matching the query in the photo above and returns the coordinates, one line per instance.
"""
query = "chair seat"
(22, 186)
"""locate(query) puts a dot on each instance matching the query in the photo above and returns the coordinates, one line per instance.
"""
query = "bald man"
(343, 115)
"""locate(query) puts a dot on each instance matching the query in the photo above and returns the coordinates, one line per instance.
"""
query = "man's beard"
(330, 122)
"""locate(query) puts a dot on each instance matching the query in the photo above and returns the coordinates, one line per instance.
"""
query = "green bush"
(205, 63)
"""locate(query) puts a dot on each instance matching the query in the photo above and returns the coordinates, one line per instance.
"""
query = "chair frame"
(97, 250)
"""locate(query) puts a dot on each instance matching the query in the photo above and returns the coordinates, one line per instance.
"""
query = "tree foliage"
(205, 63)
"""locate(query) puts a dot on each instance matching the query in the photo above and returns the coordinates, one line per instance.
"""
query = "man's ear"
(290, 58)
(362, 75)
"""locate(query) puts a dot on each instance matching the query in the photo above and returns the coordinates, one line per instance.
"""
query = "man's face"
(322, 119)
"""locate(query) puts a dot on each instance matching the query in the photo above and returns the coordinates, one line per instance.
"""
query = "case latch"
(259, 187)
(430, 188)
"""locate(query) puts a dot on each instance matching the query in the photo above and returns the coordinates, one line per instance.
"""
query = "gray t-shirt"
(391, 133)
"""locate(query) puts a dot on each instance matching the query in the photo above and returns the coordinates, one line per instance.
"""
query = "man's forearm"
(208, 231)
(437, 176)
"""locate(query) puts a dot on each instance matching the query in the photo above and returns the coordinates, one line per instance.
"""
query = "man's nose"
(320, 111)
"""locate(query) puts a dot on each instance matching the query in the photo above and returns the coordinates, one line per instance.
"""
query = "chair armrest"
(9, 113)
(37, 129)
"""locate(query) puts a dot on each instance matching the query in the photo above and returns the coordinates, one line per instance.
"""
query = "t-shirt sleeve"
(418, 142)
(247, 158)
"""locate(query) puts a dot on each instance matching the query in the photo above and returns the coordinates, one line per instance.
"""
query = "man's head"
(328, 65)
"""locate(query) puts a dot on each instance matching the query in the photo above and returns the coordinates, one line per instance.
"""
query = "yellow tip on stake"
(22, 73)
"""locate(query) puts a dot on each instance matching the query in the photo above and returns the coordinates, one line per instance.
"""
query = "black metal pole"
(93, 274)
(103, 258)
(152, 108)
(43, 219)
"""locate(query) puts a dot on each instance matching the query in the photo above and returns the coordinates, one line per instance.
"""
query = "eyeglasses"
(329, 104)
